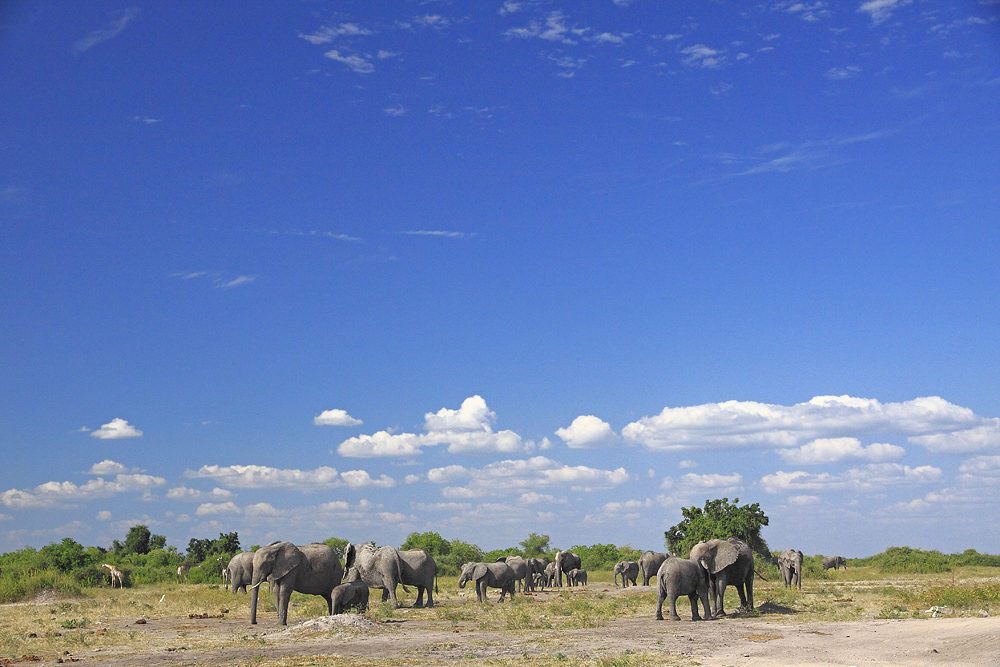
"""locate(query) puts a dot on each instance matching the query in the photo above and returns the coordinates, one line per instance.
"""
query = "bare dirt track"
(416, 638)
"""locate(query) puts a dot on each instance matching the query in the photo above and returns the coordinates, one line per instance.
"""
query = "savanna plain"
(859, 616)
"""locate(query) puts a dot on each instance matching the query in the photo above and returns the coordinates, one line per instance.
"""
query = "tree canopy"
(719, 519)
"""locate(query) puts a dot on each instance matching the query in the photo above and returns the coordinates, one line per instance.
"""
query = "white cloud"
(841, 73)
(107, 467)
(194, 495)
(326, 34)
(218, 508)
(116, 429)
(397, 111)
(881, 10)
(553, 30)
(687, 464)
(980, 438)
(510, 7)
(55, 494)
(587, 431)
(113, 28)
(532, 498)
(831, 450)
(381, 443)
(104, 515)
(235, 282)
(336, 417)
(262, 477)
(700, 55)
(412, 479)
(691, 482)
(525, 476)
(736, 424)
(354, 63)
(871, 478)
(466, 430)
(803, 500)
(261, 510)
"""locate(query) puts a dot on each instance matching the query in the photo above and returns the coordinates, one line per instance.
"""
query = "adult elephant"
(386, 568)
(834, 561)
(240, 571)
(522, 571)
(727, 562)
(790, 564)
(492, 575)
(550, 574)
(565, 561)
(682, 576)
(313, 569)
(628, 569)
(649, 565)
(537, 566)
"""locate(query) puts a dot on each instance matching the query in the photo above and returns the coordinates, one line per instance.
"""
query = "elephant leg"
(695, 616)
(742, 593)
(392, 596)
(749, 585)
(286, 595)
(420, 597)
(385, 594)
(329, 605)
(660, 597)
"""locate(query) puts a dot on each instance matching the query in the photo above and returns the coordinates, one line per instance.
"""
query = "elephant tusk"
(256, 585)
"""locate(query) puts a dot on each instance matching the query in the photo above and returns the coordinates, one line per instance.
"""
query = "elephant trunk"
(254, 590)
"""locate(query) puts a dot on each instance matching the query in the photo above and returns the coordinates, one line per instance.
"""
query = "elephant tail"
(759, 574)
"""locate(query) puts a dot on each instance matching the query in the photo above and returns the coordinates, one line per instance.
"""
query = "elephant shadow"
(772, 607)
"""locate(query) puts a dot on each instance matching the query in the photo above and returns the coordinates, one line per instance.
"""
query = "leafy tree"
(338, 545)
(719, 519)
(228, 543)
(432, 543)
(198, 550)
(157, 542)
(67, 555)
(137, 540)
(536, 546)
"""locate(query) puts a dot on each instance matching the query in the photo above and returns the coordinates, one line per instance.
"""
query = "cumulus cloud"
(110, 30)
(262, 477)
(931, 422)
(524, 476)
(803, 500)
(587, 431)
(194, 495)
(336, 417)
(831, 450)
(107, 467)
(872, 477)
(218, 508)
(700, 55)
(59, 494)
(116, 429)
(465, 430)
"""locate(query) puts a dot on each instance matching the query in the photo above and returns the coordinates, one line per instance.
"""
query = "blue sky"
(358, 269)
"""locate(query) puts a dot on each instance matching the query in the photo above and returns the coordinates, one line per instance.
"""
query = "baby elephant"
(680, 576)
(353, 594)
(577, 577)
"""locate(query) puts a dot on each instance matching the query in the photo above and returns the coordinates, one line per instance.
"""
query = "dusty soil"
(754, 642)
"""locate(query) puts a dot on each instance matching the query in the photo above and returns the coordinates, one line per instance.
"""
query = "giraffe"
(115, 574)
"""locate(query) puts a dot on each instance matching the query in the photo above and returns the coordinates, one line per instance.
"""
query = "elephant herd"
(315, 569)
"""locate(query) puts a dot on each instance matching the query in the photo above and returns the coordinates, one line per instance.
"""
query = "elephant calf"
(680, 576)
(576, 577)
(628, 569)
(352, 595)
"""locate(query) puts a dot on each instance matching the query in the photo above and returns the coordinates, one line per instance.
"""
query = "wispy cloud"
(397, 111)
(236, 282)
(355, 63)
(112, 29)
(700, 55)
(443, 234)
(147, 120)
(327, 34)
(264, 477)
(881, 10)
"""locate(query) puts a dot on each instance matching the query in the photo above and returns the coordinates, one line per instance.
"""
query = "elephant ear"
(350, 553)
(726, 554)
(287, 559)
(479, 571)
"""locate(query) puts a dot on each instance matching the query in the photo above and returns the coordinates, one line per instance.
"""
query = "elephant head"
(715, 555)
(472, 572)
(273, 562)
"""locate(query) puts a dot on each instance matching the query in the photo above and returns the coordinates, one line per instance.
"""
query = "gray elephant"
(313, 569)
(649, 565)
(727, 562)
(682, 576)
(834, 561)
(628, 569)
(790, 564)
(240, 571)
(576, 577)
(550, 574)
(565, 561)
(522, 571)
(386, 568)
(493, 575)
(351, 595)
(537, 566)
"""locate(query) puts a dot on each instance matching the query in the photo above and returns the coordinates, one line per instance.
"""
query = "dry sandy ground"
(738, 642)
